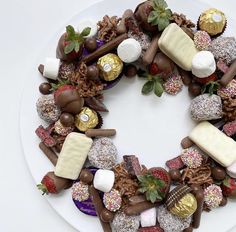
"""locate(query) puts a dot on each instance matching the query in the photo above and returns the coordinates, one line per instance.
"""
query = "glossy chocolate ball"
(186, 143)
(130, 70)
(175, 175)
(86, 176)
(90, 44)
(218, 173)
(92, 72)
(67, 119)
(194, 89)
(45, 88)
(41, 68)
(106, 215)
(224, 201)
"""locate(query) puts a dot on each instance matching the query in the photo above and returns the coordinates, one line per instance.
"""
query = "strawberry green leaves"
(160, 15)
(154, 83)
(74, 40)
(211, 87)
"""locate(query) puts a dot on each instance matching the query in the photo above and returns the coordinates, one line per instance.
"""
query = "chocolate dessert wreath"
(168, 51)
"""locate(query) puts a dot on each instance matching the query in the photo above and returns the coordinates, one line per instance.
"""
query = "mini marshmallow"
(129, 50)
(231, 170)
(104, 180)
(88, 23)
(51, 68)
(203, 64)
(148, 217)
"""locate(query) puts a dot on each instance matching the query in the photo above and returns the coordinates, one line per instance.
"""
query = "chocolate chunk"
(132, 165)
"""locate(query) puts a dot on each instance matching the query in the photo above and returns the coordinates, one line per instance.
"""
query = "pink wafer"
(175, 163)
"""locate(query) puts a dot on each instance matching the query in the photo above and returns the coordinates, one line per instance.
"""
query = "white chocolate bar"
(178, 46)
(215, 143)
(73, 156)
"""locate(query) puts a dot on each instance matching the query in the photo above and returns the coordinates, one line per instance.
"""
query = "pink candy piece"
(230, 128)
(45, 136)
(175, 163)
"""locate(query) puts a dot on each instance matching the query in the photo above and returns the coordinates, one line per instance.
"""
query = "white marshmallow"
(104, 180)
(51, 68)
(148, 217)
(231, 170)
(203, 64)
(129, 50)
(88, 23)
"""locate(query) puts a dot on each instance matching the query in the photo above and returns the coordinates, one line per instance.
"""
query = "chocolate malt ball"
(130, 70)
(45, 88)
(175, 175)
(67, 119)
(86, 176)
(90, 44)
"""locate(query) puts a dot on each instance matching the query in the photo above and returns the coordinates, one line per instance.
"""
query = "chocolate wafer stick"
(52, 156)
(100, 132)
(139, 208)
(106, 48)
(197, 215)
(94, 194)
(151, 51)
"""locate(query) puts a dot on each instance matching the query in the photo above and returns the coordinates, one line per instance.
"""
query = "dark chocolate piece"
(132, 165)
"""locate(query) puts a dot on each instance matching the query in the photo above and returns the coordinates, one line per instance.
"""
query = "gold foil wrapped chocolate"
(110, 66)
(185, 207)
(86, 119)
(212, 21)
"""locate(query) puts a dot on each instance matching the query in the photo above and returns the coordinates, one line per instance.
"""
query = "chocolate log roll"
(199, 195)
(138, 208)
(49, 153)
(100, 132)
(229, 75)
(106, 48)
(94, 194)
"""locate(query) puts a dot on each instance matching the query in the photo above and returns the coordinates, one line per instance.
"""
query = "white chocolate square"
(178, 46)
(215, 143)
(73, 156)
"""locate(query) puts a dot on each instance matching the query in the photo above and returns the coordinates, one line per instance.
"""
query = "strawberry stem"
(43, 188)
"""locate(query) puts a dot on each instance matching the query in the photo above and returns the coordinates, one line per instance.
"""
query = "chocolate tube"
(49, 153)
(198, 213)
(151, 51)
(229, 75)
(100, 132)
(121, 28)
(136, 199)
(186, 76)
(106, 48)
(139, 208)
(94, 194)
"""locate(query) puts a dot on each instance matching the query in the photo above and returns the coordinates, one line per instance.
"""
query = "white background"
(22, 208)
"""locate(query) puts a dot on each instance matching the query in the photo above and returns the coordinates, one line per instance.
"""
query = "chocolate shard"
(95, 104)
(132, 165)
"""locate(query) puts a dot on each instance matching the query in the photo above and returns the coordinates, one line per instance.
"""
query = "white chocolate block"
(178, 46)
(51, 68)
(215, 143)
(104, 180)
(231, 170)
(148, 217)
(73, 156)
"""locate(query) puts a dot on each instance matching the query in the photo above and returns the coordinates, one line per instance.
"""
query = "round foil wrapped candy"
(86, 119)
(110, 66)
(212, 21)
(185, 207)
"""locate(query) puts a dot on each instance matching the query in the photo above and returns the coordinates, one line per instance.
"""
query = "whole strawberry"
(229, 187)
(53, 184)
(206, 80)
(70, 45)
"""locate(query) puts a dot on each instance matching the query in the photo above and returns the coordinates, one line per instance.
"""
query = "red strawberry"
(229, 187)
(61, 89)
(162, 174)
(205, 80)
(153, 69)
(53, 184)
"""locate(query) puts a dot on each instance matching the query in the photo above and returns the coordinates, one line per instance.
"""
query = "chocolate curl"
(49, 153)
(106, 48)
(229, 75)
(94, 194)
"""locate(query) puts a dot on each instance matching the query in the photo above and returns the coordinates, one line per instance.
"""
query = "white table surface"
(22, 208)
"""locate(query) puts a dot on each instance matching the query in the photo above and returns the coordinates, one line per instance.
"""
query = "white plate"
(147, 126)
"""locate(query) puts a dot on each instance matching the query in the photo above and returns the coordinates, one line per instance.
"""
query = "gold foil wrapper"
(186, 206)
(110, 66)
(86, 119)
(212, 21)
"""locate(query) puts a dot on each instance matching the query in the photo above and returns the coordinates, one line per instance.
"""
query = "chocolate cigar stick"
(106, 48)
(98, 207)
(197, 215)
(136, 199)
(100, 132)
(139, 208)
(121, 28)
(229, 75)
(151, 51)
(49, 153)
(186, 76)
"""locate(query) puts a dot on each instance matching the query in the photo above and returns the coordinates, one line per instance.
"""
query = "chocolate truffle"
(45, 88)
(67, 119)
(92, 72)
(218, 173)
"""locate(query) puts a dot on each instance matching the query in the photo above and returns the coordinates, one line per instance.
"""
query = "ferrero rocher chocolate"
(185, 207)
(86, 119)
(212, 21)
(110, 67)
